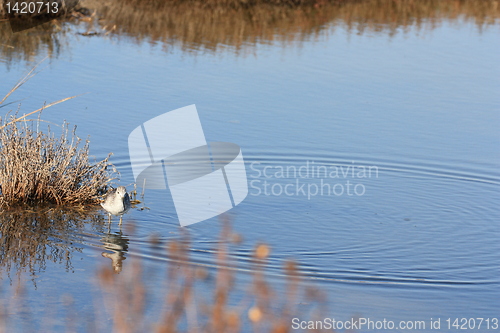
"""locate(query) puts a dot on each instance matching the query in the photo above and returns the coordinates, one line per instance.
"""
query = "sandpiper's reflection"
(117, 243)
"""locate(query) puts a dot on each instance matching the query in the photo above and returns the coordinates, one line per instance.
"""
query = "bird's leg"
(121, 217)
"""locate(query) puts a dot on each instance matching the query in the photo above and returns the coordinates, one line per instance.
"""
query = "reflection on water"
(49, 38)
(194, 27)
(117, 244)
(30, 238)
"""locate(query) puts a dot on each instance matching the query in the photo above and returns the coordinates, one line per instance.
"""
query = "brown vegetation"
(39, 168)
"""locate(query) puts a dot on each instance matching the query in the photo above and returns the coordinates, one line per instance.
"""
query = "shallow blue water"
(416, 239)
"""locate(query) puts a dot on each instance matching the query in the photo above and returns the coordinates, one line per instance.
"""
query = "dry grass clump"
(40, 168)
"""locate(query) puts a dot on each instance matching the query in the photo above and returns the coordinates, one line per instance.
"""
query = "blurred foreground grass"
(190, 297)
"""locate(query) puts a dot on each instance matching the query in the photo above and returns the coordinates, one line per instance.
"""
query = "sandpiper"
(117, 202)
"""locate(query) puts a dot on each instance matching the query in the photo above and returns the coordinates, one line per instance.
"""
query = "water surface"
(417, 105)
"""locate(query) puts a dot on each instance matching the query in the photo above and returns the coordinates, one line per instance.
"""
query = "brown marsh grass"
(40, 168)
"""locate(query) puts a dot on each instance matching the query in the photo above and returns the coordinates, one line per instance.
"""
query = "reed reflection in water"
(31, 237)
(196, 27)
